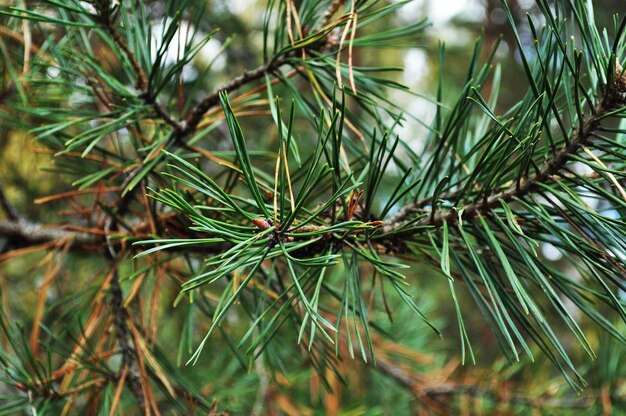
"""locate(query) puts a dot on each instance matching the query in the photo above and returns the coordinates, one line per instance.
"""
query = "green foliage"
(280, 221)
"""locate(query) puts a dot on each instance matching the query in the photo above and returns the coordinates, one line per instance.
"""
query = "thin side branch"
(106, 16)
(107, 20)
(27, 232)
(129, 360)
(142, 82)
(330, 11)
(549, 169)
(213, 99)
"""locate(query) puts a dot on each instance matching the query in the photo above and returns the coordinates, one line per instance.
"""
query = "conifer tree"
(251, 233)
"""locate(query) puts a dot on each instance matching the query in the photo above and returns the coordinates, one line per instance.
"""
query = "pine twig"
(105, 16)
(549, 169)
(212, 99)
(195, 116)
(29, 233)
(330, 11)
(129, 359)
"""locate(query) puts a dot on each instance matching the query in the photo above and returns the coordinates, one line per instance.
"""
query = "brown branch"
(24, 233)
(48, 392)
(151, 100)
(129, 359)
(117, 38)
(527, 185)
(105, 17)
(330, 11)
(30, 233)
(188, 126)
(419, 206)
(194, 118)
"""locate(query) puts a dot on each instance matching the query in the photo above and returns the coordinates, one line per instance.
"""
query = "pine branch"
(105, 16)
(213, 99)
(330, 11)
(290, 266)
(141, 76)
(26, 232)
(47, 391)
(189, 125)
(23, 232)
(523, 187)
(129, 359)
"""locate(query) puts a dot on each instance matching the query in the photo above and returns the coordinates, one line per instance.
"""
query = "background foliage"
(217, 209)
